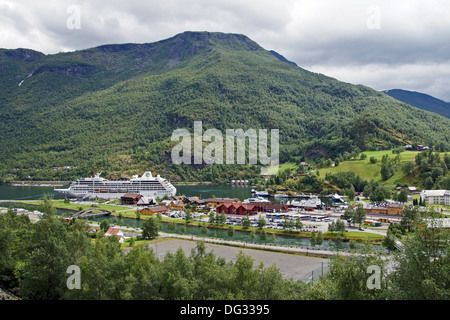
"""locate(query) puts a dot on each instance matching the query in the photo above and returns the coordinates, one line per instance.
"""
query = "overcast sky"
(384, 44)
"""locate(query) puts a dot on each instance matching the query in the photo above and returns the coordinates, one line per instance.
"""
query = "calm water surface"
(202, 191)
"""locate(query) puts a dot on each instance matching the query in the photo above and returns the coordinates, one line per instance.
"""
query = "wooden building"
(390, 208)
(151, 211)
(215, 202)
(237, 208)
(130, 198)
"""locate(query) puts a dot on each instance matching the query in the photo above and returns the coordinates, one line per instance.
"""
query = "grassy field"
(367, 170)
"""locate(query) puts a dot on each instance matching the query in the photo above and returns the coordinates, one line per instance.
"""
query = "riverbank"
(120, 211)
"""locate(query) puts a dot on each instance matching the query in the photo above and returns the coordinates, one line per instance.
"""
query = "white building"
(115, 232)
(436, 196)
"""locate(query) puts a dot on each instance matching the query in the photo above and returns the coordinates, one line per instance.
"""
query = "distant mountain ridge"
(421, 100)
(114, 107)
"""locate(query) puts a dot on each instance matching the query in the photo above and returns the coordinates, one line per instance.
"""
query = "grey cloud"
(332, 37)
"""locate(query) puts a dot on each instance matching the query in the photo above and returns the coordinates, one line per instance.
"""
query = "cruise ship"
(101, 188)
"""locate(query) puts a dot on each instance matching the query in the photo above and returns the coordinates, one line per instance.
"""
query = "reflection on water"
(203, 191)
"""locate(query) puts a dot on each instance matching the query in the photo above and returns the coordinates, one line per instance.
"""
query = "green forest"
(113, 109)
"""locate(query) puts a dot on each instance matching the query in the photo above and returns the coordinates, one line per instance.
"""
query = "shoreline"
(290, 234)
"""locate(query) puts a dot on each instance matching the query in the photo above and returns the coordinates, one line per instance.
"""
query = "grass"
(288, 165)
(367, 170)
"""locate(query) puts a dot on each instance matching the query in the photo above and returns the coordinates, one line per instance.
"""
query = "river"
(202, 191)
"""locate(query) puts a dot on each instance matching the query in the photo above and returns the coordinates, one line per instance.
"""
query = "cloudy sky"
(383, 44)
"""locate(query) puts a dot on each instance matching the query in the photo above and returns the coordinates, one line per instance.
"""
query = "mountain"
(421, 100)
(114, 107)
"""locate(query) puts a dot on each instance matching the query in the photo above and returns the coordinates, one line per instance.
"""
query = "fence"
(317, 273)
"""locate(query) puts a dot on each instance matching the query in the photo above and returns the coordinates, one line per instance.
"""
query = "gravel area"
(292, 266)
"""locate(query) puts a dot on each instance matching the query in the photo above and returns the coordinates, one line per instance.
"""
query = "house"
(247, 209)
(115, 232)
(215, 202)
(146, 201)
(190, 199)
(412, 190)
(177, 205)
(276, 207)
(422, 147)
(130, 198)
(261, 206)
(194, 200)
(237, 208)
(151, 211)
(436, 196)
(223, 208)
(173, 204)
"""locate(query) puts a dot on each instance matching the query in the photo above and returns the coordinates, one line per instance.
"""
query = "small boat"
(253, 200)
(281, 195)
(262, 193)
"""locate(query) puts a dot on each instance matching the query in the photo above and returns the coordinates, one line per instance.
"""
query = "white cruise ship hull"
(147, 186)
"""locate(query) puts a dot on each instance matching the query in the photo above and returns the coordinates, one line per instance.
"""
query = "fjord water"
(202, 191)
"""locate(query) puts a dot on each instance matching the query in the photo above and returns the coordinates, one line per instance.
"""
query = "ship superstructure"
(98, 187)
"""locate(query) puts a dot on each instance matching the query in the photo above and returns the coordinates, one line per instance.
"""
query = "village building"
(151, 211)
(146, 201)
(173, 204)
(237, 208)
(115, 232)
(215, 202)
(436, 196)
(130, 198)
(390, 208)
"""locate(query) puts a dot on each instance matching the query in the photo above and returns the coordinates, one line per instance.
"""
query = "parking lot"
(312, 221)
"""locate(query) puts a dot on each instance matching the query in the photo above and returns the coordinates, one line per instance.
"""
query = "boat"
(97, 187)
(281, 195)
(312, 202)
(262, 193)
(337, 200)
(255, 200)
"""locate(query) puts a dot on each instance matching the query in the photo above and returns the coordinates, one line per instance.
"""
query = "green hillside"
(113, 108)
(367, 170)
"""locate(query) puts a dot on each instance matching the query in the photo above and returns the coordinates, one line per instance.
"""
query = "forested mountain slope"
(114, 107)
